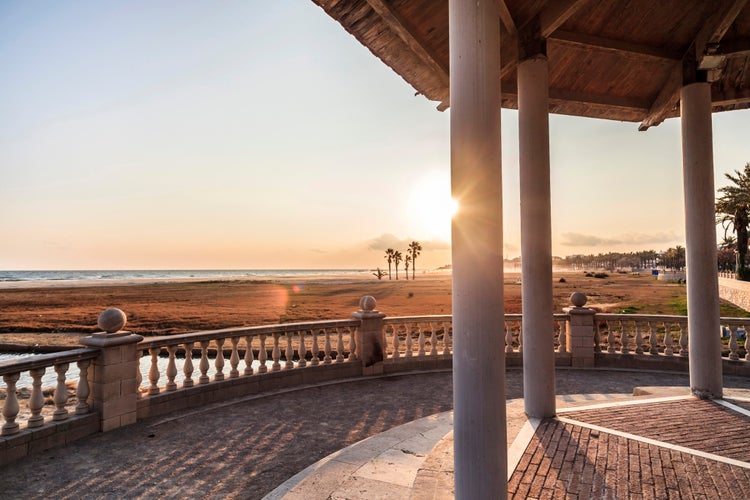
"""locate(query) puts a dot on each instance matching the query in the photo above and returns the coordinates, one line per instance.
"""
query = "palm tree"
(733, 212)
(389, 257)
(397, 258)
(407, 260)
(415, 249)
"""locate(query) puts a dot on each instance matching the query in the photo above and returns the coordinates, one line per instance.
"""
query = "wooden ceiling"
(614, 59)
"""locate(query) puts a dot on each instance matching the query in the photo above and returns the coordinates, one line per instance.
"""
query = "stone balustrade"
(124, 377)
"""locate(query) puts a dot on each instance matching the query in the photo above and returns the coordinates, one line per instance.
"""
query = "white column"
(700, 233)
(476, 182)
(536, 238)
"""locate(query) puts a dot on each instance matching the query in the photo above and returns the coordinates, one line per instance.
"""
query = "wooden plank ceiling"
(614, 59)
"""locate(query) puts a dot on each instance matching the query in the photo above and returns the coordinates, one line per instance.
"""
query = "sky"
(260, 135)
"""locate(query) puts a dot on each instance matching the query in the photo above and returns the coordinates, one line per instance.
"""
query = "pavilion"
(630, 60)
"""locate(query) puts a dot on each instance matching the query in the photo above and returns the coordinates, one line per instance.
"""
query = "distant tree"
(407, 260)
(733, 212)
(389, 257)
(725, 259)
(415, 248)
(379, 274)
(397, 258)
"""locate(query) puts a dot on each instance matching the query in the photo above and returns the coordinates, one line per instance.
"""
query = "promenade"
(247, 447)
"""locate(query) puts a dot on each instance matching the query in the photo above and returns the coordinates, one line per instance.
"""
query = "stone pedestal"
(579, 332)
(370, 337)
(112, 376)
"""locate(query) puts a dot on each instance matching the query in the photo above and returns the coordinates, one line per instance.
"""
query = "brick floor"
(566, 460)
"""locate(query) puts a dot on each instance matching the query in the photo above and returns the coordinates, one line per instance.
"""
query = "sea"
(166, 275)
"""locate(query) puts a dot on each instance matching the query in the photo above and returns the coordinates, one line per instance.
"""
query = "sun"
(431, 207)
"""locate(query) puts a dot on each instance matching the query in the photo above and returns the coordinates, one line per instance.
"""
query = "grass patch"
(678, 305)
(629, 310)
(728, 309)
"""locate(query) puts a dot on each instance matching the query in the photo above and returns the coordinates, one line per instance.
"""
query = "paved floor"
(248, 447)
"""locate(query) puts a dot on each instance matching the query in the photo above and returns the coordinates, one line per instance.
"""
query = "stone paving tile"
(568, 461)
(244, 449)
(693, 423)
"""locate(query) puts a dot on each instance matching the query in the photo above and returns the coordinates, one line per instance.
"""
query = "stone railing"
(125, 377)
(727, 274)
(245, 352)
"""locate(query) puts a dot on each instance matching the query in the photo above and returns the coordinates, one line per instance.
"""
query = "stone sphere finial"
(367, 303)
(112, 320)
(578, 299)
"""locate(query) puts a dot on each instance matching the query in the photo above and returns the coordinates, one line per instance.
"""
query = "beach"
(58, 314)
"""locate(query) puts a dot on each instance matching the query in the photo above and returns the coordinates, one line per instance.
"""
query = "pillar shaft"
(536, 239)
(700, 232)
(476, 182)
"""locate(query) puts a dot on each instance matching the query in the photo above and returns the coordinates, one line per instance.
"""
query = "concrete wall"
(736, 292)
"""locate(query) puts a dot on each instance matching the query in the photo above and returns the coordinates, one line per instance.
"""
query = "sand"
(58, 315)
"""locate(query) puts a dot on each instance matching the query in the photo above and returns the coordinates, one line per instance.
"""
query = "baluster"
(433, 340)
(420, 340)
(597, 336)
(327, 347)
(624, 338)
(683, 339)
(519, 329)
(171, 369)
(638, 338)
(187, 368)
(276, 353)
(352, 344)
(289, 354)
(508, 337)
(153, 372)
(83, 390)
(219, 361)
(396, 346)
(36, 403)
(653, 339)
(747, 343)
(610, 339)
(262, 355)
(203, 365)
(448, 334)
(61, 393)
(302, 351)
(733, 343)
(409, 341)
(315, 348)
(138, 374)
(562, 337)
(234, 358)
(668, 351)
(10, 407)
(249, 356)
(339, 345)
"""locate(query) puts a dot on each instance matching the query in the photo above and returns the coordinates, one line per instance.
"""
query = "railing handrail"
(208, 335)
(9, 366)
(426, 317)
(666, 317)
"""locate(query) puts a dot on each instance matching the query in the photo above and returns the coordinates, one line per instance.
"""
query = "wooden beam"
(737, 47)
(712, 32)
(555, 13)
(507, 19)
(730, 97)
(620, 47)
(396, 23)
(563, 96)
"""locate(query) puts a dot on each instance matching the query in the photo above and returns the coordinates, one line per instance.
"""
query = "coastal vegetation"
(733, 213)
(409, 258)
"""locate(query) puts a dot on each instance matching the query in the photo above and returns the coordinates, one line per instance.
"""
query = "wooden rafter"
(711, 32)
(620, 47)
(730, 98)
(555, 13)
(507, 19)
(551, 17)
(396, 23)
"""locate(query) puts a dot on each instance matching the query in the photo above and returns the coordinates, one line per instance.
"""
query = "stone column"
(700, 233)
(476, 182)
(536, 238)
(113, 375)
(579, 332)
(370, 337)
